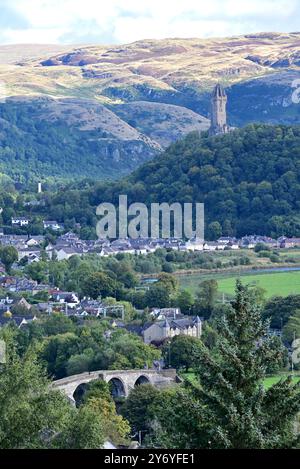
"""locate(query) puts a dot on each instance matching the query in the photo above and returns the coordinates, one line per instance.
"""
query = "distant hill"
(146, 95)
(171, 71)
(69, 138)
(43, 137)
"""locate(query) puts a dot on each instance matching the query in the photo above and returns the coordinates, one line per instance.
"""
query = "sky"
(124, 21)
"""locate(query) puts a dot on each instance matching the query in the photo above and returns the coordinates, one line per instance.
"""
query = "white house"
(67, 252)
(69, 298)
(212, 246)
(20, 221)
(35, 241)
(53, 225)
(195, 244)
(234, 246)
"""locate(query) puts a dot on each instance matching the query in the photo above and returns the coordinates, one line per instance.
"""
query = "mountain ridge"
(137, 82)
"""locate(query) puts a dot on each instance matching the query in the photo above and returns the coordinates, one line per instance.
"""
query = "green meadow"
(271, 380)
(277, 283)
(268, 382)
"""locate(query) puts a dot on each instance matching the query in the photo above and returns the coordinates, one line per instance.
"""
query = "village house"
(70, 298)
(234, 245)
(122, 245)
(229, 242)
(7, 303)
(249, 242)
(20, 321)
(226, 240)
(270, 242)
(20, 221)
(182, 247)
(213, 246)
(140, 246)
(53, 225)
(290, 242)
(69, 238)
(67, 252)
(150, 248)
(14, 240)
(34, 203)
(195, 244)
(40, 287)
(165, 313)
(35, 241)
(88, 307)
(172, 243)
(17, 284)
(45, 308)
(33, 258)
(107, 251)
(30, 253)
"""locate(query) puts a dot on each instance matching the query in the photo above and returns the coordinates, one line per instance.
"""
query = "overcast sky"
(123, 21)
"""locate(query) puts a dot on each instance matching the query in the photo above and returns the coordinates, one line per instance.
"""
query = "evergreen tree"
(240, 413)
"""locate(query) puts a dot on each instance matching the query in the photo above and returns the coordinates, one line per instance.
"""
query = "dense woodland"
(249, 181)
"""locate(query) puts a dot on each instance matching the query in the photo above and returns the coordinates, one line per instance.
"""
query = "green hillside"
(67, 139)
(249, 180)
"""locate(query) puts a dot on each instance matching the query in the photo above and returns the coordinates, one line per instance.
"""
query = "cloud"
(9, 15)
(10, 18)
(89, 32)
(119, 21)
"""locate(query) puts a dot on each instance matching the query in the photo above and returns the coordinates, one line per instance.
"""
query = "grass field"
(268, 382)
(278, 283)
(271, 380)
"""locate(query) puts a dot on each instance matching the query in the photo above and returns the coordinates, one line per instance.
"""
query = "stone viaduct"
(121, 381)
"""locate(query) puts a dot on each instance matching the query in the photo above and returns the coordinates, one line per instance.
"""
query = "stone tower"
(218, 111)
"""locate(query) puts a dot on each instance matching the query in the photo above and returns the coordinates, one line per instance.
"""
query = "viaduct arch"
(122, 381)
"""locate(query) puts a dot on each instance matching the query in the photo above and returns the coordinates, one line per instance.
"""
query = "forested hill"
(249, 179)
(44, 138)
